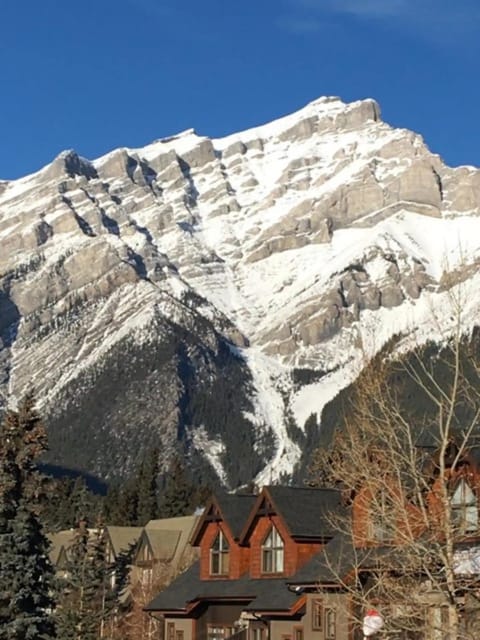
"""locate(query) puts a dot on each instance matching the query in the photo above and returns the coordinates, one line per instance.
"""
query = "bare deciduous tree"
(404, 456)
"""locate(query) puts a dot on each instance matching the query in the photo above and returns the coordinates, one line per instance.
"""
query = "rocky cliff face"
(166, 294)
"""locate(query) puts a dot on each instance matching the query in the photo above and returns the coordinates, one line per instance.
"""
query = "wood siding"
(239, 556)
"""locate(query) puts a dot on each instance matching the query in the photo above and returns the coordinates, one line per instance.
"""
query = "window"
(317, 615)
(219, 556)
(170, 631)
(382, 516)
(272, 553)
(179, 635)
(145, 554)
(330, 623)
(464, 508)
(147, 576)
(298, 633)
(258, 633)
(217, 632)
(439, 622)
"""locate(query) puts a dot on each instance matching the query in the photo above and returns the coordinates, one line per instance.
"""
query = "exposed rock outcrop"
(228, 260)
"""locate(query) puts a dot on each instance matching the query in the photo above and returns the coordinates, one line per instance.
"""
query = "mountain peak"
(69, 163)
(211, 289)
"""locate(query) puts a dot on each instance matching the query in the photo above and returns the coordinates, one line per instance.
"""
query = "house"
(59, 545)
(162, 544)
(163, 547)
(244, 584)
(120, 540)
(278, 566)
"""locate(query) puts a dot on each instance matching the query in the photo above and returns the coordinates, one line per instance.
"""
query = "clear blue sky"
(97, 74)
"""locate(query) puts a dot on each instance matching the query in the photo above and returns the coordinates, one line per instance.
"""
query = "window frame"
(330, 617)
(298, 633)
(222, 631)
(382, 529)
(257, 632)
(273, 552)
(220, 555)
(463, 507)
(317, 615)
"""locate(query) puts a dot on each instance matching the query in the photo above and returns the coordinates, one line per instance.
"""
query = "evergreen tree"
(70, 500)
(87, 600)
(26, 572)
(147, 507)
(136, 502)
(112, 511)
(81, 501)
(128, 506)
(179, 494)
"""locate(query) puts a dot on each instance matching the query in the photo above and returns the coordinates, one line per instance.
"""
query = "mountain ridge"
(303, 243)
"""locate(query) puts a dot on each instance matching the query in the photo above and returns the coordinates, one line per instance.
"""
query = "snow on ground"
(312, 398)
(213, 247)
(275, 287)
(213, 450)
(434, 316)
(270, 378)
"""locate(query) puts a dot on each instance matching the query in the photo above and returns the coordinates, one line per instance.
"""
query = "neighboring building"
(120, 540)
(164, 546)
(59, 545)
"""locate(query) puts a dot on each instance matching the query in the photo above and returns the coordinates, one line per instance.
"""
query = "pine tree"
(81, 501)
(179, 494)
(87, 600)
(112, 512)
(70, 500)
(26, 572)
(147, 507)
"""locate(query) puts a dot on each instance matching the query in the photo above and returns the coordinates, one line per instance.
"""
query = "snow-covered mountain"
(214, 293)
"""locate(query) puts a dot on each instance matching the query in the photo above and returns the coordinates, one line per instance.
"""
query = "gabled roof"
(235, 510)
(162, 543)
(306, 512)
(169, 537)
(59, 543)
(257, 595)
(232, 509)
(122, 538)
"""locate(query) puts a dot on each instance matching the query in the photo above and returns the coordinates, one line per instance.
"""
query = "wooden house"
(278, 566)
(251, 549)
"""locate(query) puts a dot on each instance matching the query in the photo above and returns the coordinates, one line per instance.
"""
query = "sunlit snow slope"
(156, 275)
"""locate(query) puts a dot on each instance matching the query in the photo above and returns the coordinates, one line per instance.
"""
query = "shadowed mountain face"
(170, 295)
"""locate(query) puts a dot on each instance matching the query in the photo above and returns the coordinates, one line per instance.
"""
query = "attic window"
(219, 556)
(464, 508)
(272, 552)
(382, 517)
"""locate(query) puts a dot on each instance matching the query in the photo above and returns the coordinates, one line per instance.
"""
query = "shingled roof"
(307, 512)
(258, 595)
(169, 537)
(330, 565)
(235, 510)
(122, 538)
(60, 542)
(163, 543)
